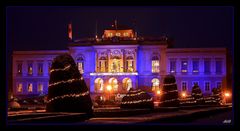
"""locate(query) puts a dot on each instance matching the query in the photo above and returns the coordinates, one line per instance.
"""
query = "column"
(178, 66)
(135, 60)
(122, 61)
(109, 60)
(96, 61)
(45, 68)
(190, 66)
(213, 66)
(201, 66)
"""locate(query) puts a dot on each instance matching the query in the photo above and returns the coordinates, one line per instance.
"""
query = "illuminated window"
(155, 64)
(219, 85)
(40, 87)
(19, 87)
(125, 34)
(114, 84)
(184, 86)
(207, 66)
(40, 68)
(127, 84)
(19, 68)
(103, 64)
(30, 68)
(98, 84)
(80, 64)
(118, 34)
(30, 87)
(218, 66)
(207, 86)
(129, 63)
(172, 66)
(195, 65)
(184, 66)
(116, 65)
(110, 34)
(155, 84)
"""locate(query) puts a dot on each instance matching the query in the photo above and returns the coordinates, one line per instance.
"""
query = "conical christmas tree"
(137, 99)
(170, 92)
(197, 94)
(67, 90)
(217, 94)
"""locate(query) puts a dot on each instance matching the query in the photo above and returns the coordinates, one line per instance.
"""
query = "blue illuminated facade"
(116, 64)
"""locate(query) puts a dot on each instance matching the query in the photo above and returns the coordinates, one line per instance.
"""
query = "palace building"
(121, 60)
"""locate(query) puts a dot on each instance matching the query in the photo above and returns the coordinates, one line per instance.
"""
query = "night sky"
(45, 28)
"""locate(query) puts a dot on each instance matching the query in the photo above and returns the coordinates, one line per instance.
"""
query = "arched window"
(155, 64)
(98, 85)
(103, 64)
(80, 64)
(114, 84)
(129, 64)
(115, 64)
(155, 84)
(127, 84)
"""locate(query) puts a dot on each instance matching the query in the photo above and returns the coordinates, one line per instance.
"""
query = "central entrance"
(114, 84)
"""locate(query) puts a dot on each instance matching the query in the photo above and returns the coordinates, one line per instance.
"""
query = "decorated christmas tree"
(217, 94)
(170, 92)
(67, 91)
(197, 94)
(137, 99)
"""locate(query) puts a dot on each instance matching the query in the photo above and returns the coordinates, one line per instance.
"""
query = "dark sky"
(39, 27)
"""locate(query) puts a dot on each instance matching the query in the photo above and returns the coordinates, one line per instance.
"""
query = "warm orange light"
(227, 94)
(158, 92)
(183, 94)
(109, 88)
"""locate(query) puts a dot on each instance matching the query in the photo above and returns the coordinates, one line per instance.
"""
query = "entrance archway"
(114, 84)
(155, 84)
(98, 85)
(127, 84)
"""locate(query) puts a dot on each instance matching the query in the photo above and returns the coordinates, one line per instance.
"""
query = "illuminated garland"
(139, 93)
(199, 94)
(137, 101)
(68, 81)
(168, 100)
(169, 84)
(135, 91)
(68, 95)
(188, 102)
(65, 68)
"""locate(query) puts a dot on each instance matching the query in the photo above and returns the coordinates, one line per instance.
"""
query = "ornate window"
(195, 65)
(114, 84)
(155, 64)
(40, 87)
(172, 66)
(19, 87)
(19, 68)
(219, 84)
(184, 66)
(80, 64)
(129, 64)
(127, 84)
(184, 86)
(207, 86)
(155, 84)
(207, 66)
(218, 66)
(40, 68)
(30, 87)
(98, 84)
(103, 64)
(30, 68)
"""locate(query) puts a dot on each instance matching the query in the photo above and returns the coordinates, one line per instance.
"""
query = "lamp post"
(226, 96)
